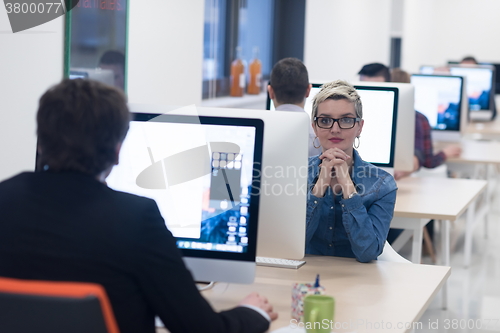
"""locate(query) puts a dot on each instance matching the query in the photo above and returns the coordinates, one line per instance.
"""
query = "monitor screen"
(204, 174)
(380, 106)
(497, 69)
(439, 98)
(480, 80)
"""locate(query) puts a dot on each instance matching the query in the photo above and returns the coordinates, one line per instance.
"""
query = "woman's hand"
(337, 160)
(333, 169)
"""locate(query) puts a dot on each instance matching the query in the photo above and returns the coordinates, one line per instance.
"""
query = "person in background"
(114, 61)
(288, 88)
(64, 223)
(469, 60)
(423, 151)
(375, 72)
(424, 155)
(350, 202)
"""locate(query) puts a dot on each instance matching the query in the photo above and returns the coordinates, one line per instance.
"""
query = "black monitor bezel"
(460, 106)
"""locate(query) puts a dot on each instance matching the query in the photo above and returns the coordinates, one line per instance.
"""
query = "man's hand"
(260, 302)
(452, 151)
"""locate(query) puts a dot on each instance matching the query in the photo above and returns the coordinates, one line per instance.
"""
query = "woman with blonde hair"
(350, 202)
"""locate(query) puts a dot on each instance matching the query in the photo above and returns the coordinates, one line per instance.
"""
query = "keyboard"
(277, 262)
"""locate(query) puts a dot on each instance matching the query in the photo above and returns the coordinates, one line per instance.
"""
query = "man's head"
(469, 60)
(114, 61)
(289, 83)
(375, 72)
(81, 125)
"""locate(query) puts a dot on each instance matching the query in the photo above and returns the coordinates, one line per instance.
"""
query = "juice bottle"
(237, 75)
(255, 72)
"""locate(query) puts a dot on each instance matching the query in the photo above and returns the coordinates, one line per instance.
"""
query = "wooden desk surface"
(474, 151)
(435, 198)
(366, 295)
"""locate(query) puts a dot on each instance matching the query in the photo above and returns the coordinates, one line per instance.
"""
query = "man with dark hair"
(288, 88)
(64, 224)
(375, 72)
(114, 61)
(469, 60)
(81, 126)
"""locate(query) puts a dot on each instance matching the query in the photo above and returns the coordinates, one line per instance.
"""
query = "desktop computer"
(204, 174)
(480, 87)
(282, 189)
(442, 100)
(388, 131)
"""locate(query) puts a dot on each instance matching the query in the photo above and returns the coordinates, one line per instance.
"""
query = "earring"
(356, 145)
(314, 145)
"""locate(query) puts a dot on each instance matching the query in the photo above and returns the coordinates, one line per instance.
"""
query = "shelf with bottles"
(238, 82)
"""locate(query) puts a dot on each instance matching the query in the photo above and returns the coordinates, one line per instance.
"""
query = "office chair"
(54, 307)
(389, 254)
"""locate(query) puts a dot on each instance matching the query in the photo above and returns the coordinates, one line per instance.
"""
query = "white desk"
(422, 199)
(483, 130)
(445, 199)
(479, 160)
(373, 293)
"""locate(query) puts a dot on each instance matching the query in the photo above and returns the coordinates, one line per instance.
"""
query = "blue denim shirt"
(355, 227)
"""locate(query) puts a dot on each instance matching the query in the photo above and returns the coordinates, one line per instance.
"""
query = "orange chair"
(53, 307)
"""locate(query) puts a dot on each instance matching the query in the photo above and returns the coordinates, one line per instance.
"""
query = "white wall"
(165, 51)
(343, 35)
(30, 62)
(435, 31)
(165, 67)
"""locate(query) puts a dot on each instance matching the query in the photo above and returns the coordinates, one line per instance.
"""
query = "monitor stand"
(446, 136)
(480, 115)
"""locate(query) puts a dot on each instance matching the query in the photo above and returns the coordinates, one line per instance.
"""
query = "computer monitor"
(283, 188)
(204, 174)
(480, 87)
(497, 69)
(440, 99)
(386, 108)
(98, 74)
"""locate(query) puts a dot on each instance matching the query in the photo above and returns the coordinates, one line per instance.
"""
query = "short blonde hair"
(336, 90)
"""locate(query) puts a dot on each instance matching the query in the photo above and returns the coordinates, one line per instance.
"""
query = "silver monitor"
(388, 134)
(480, 87)
(441, 99)
(405, 126)
(283, 177)
(204, 174)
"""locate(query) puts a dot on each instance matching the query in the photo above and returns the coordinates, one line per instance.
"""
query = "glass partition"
(96, 41)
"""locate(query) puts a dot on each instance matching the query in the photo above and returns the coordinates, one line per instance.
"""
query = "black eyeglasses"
(344, 123)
